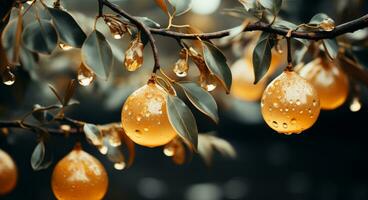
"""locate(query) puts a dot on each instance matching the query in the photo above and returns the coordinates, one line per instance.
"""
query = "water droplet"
(146, 129)
(297, 102)
(309, 110)
(275, 124)
(169, 151)
(181, 68)
(281, 110)
(85, 76)
(275, 104)
(301, 112)
(8, 77)
(134, 55)
(285, 125)
(119, 165)
(103, 149)
(314, 102)
(293, 121)
(126, 107)
(139, 118)
(286, 109)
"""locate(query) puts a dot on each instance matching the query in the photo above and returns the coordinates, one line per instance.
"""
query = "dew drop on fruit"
(181, 68)
(355, 105)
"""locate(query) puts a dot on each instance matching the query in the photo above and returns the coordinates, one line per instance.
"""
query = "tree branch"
(347, 27)
(142, 27)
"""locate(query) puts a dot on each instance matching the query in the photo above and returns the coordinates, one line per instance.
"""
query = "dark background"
(326, 162)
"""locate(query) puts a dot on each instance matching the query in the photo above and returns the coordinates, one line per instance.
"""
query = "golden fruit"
(243, 78)
(8, 173)
(329, 80)
(290, 104)
(79, 176)
(144, 117)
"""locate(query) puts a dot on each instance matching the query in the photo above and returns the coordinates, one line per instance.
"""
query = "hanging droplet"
(119, 166)
(103, 149)
(8, 77)
(355, 105)
(169, 151)
(134, 55)
(181, 68)
(64, 46)
(208, 82)
(85, 75)
(114, 138)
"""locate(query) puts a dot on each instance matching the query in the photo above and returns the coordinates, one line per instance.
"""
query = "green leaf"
(40, 36)
(280, 23)
(97, 54)
(68, 29)
(201, 99)
(10, 41)
(148, 22)
(262, 56)
(93, 134)
(216, 63)
(331, 47)
(182, 120)
(39, 159)
(28, 59)
(273, 5)
(318, 18)
(181, 6)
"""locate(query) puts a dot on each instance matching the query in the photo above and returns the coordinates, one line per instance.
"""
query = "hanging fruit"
(8, 173)
(85, 75)
(243, 86)
(134, 54)
(329, 80)
(144, 117)
(80, 176)
(290, 104)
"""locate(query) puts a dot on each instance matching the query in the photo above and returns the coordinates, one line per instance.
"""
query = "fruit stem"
(289, 57)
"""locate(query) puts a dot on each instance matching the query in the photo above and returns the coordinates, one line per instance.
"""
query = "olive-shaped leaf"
(331, 47)
(318, 18)
(97, 54)
(182, 120)
(148, 22)
(40, 36)
(68, 29)
(39, 159)
(28, 59)
(216, 63)
(201, 99)
(273, 5)
(207, 144)
(181, 6)
(262, 56)
(10, 39)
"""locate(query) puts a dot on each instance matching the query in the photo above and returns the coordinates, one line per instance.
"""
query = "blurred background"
(326, 162)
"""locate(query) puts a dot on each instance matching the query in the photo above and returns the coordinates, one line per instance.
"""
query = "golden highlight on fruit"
(329, 80)
(144, 117)
(8, 173)
(243, 78)
(290, 104)
(79, 176)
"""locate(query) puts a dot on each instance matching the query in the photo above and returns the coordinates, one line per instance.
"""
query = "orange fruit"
(290, 104)
(243, 78)
(79, 176)
(144, 117)
(330, 81)
(8, 173)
